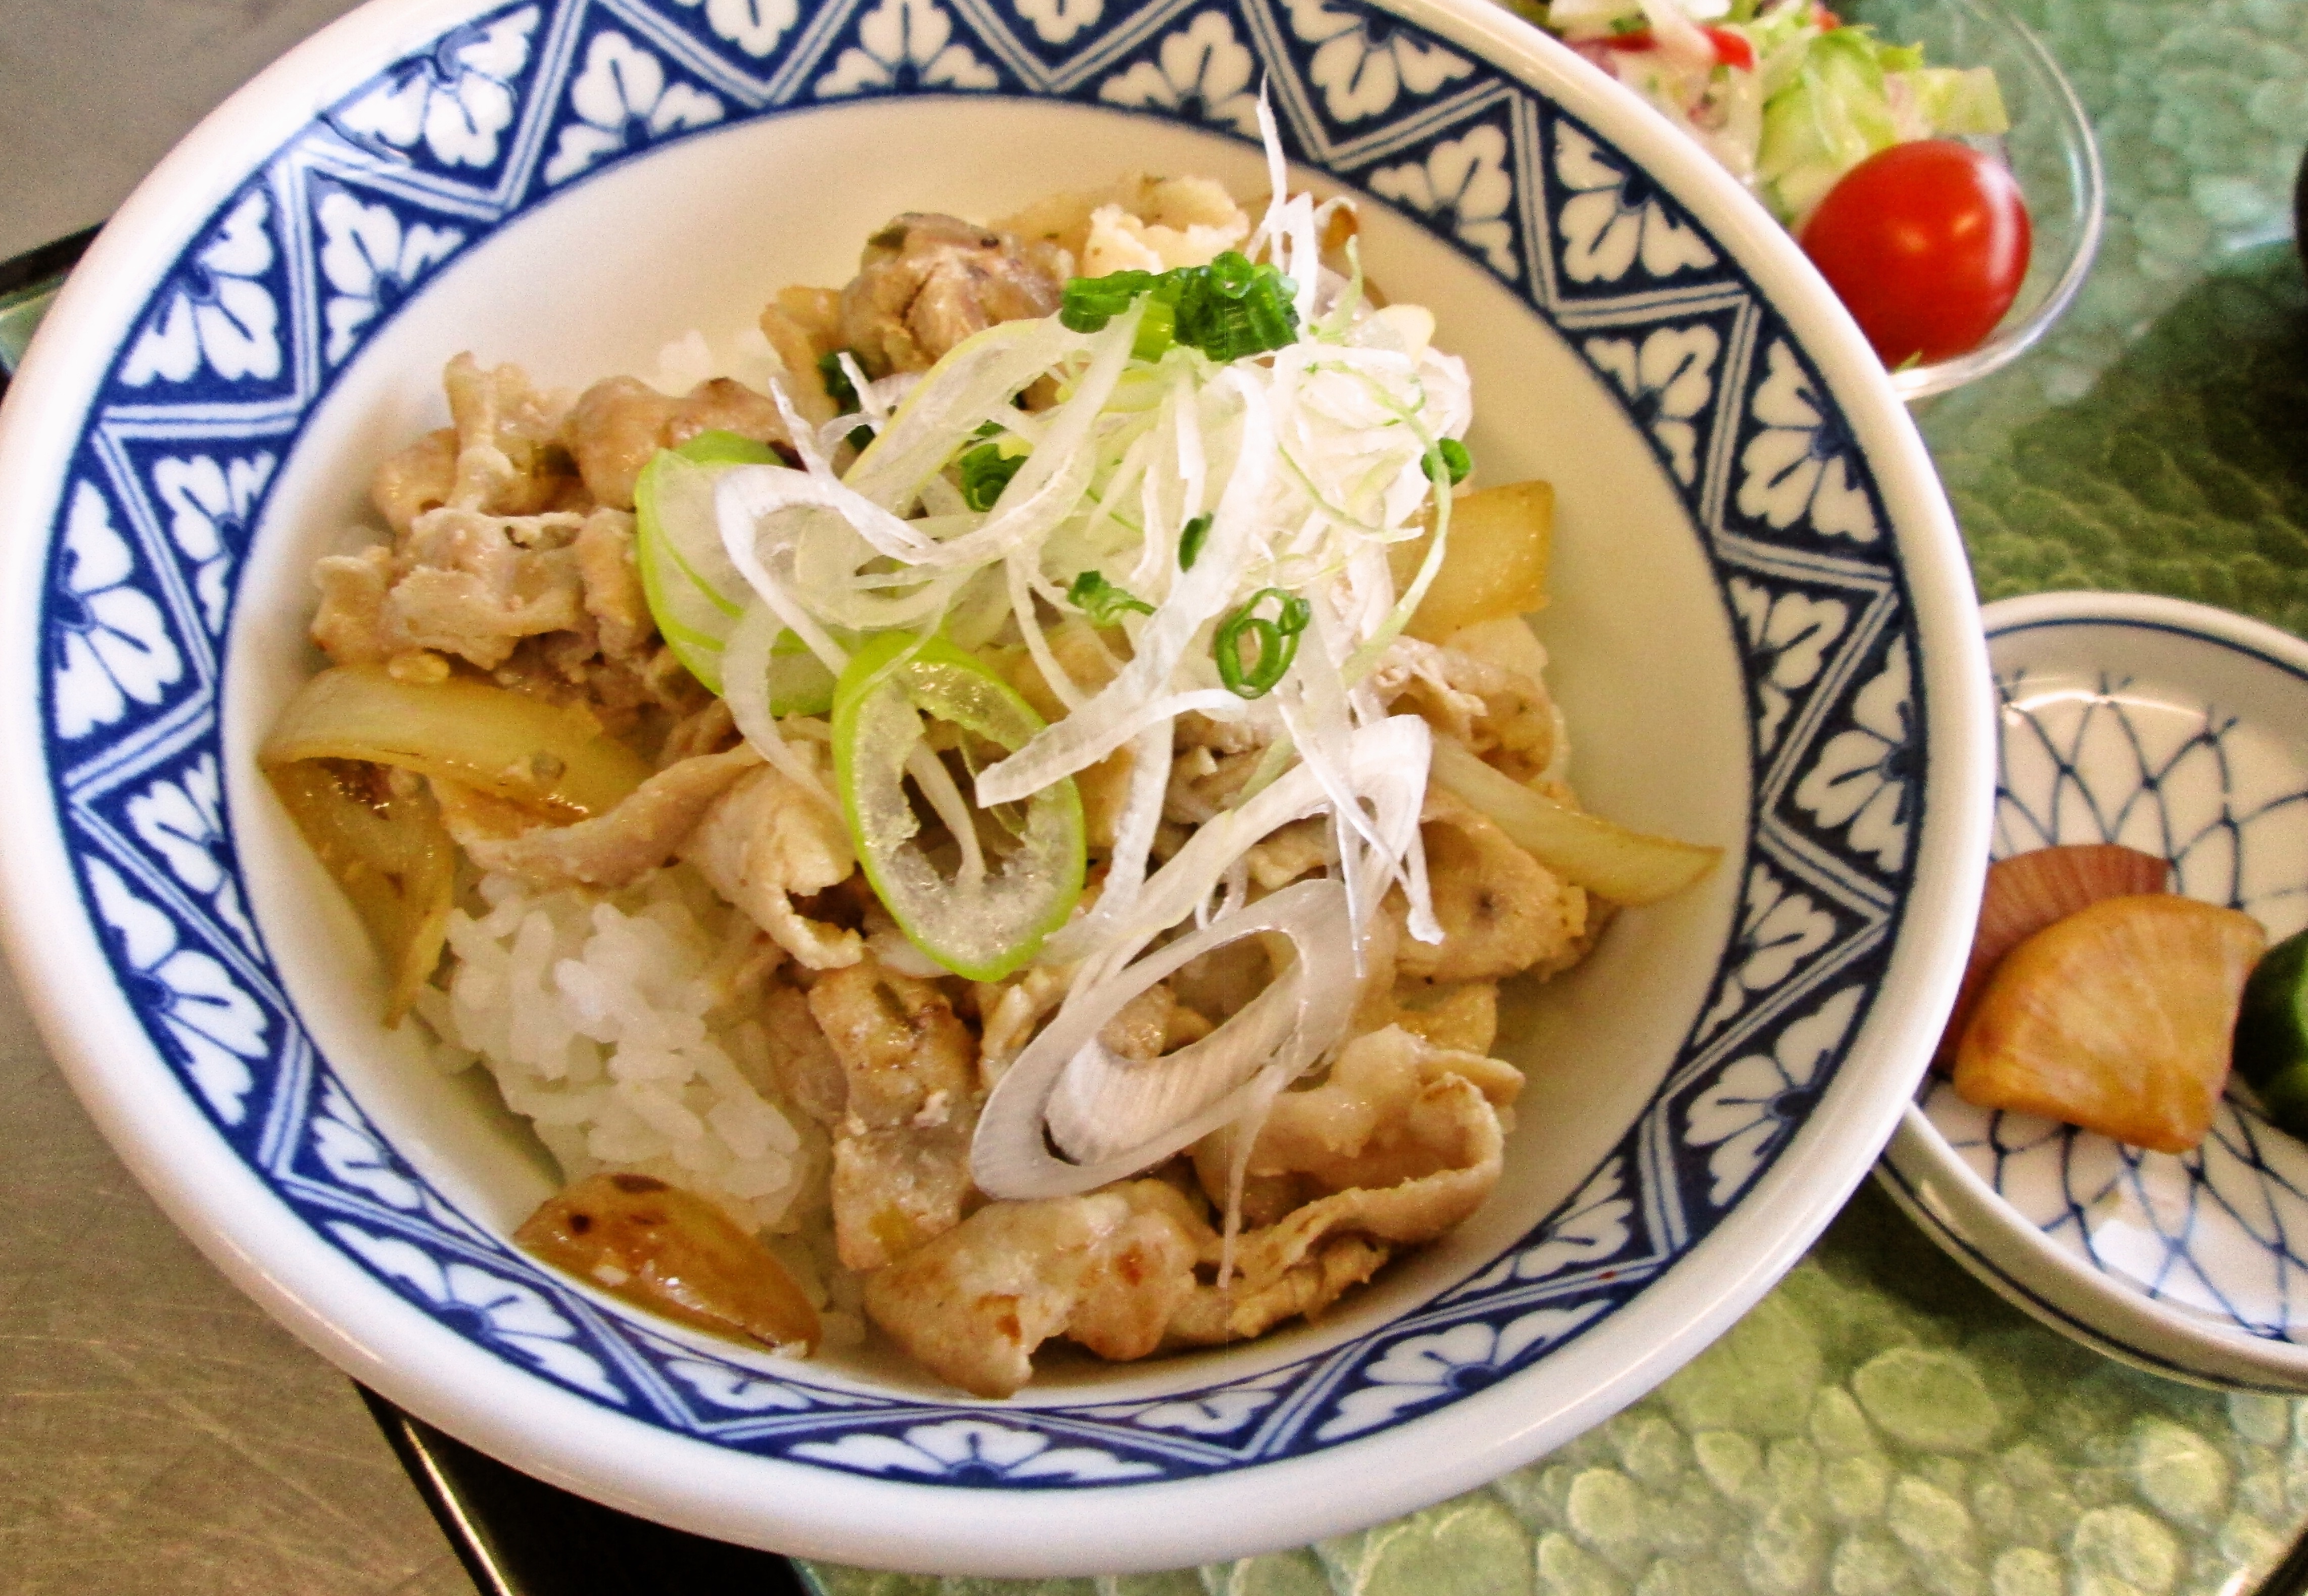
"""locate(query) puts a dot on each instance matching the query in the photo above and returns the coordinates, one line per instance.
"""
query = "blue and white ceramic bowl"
(1763, 629)
(2182, 731)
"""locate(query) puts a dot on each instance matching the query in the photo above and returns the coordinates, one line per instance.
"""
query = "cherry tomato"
(1926, 244)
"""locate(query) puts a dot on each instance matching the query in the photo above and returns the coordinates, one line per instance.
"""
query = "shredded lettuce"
(1784, 95)
(1835, 115)
(1948, 101)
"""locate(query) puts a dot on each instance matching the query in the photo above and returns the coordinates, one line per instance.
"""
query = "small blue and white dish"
(1762, 629)
(2182, 731)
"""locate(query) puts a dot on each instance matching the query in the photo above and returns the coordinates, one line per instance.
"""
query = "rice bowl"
(391, 1224)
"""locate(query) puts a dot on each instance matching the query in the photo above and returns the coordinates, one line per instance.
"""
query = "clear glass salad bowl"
(2051, 150)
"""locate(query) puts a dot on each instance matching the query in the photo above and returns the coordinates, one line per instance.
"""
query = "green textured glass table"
(1881, 1425)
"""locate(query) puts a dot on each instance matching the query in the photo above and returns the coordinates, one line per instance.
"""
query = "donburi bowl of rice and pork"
(809, 825)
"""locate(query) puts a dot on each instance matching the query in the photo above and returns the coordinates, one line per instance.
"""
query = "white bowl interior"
(2225, 735)
(1645, 659)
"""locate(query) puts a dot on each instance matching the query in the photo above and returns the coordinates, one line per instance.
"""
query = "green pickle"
(2272, 1033)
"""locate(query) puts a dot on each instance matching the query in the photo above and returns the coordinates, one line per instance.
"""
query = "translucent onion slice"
(553, 760)
(695, 593)
(976, 378)
(1626, 867)
(1009, 1157)
(740, 540)
(983, 925)
(1320, 721)
(1386, 765)
(1105, 1105)
(799, 684)
(750, 665)
(1136, 826)
(389, 853)
(763, 492)
(1142, 692)
(1049, 488)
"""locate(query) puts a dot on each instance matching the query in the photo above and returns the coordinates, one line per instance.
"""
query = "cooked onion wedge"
(1626, 867)
(1493, 566)
(2116, 1019)
(391, 854)
(663, 1248)
(330, 757)
(552, 759)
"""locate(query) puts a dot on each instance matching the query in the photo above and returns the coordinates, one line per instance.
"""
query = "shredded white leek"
(1296, 469)
(1294, 1022)
(745, 689)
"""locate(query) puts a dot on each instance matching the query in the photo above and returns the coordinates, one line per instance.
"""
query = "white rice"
(744, 354)
(622, 1026)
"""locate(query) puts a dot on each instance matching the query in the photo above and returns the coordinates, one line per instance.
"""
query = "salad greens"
(1783, 93)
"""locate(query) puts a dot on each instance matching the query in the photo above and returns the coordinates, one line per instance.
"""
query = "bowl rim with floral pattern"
(335, 198)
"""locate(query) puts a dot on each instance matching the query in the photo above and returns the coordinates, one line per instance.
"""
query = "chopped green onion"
(1236, 310)
(838, 385)
(985, 471)
(1227, 309)
(1277, 640)
(843, 392)
(1189, 541)
(1086, 304)
(1455, 460)
(1102, 601)
(1157, 332)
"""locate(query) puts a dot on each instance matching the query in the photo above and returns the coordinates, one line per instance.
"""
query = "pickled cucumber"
(2272, 1033)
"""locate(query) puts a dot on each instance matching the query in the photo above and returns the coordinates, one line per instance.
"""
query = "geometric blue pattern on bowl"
(292, 275)
(2160, 757)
